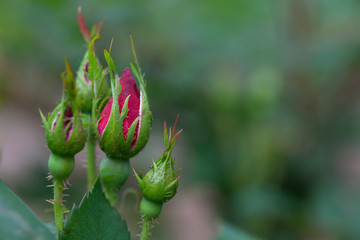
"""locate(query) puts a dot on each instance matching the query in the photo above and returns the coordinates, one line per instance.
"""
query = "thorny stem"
(146, 225)
(58, 206)
(91, 161)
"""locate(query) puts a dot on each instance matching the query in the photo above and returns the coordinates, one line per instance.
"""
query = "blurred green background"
(268, 97)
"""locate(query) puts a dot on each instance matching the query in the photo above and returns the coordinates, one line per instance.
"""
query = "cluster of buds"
(119, 119)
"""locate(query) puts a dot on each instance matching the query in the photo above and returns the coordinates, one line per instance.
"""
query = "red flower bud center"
(128, 87)
(68, 116)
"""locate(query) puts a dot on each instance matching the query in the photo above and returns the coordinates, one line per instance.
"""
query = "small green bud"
(159, 185)
(60, 167)
(114, 172)
(64, 131)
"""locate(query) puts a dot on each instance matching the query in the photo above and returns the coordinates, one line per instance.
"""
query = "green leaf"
(17, 221)
(228, 231)
(95, 219)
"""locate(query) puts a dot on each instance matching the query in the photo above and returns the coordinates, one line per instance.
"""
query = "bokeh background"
(268, 97)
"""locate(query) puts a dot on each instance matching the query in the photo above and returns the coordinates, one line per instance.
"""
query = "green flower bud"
(64, 131)
(125, 122)
(160, 183)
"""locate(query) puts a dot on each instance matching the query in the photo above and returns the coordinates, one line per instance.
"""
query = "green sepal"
(131, 131)
(91, 54)
(45, 122)
(109, 60)
(139, 178)
(69, 81)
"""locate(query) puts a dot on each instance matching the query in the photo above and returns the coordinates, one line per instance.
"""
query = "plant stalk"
(111, 196)
(146, 225)
(58, 206)
(91, 161)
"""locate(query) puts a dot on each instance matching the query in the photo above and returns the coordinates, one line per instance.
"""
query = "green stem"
(91, 162)
(146, 225)
(111, 196)
(58, 206)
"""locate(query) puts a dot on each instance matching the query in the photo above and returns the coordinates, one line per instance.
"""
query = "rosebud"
(124, 126)
(159, 185)
(125, 122)
(64, 131)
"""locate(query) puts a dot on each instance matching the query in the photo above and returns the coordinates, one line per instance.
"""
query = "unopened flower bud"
(83, 82)
(124, 125)
(160, 183)
(64, 131)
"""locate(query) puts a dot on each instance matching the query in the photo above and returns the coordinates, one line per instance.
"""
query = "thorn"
(51, 201)
(67, 181)
(51, 185)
